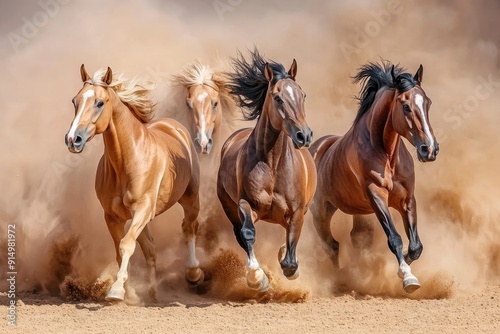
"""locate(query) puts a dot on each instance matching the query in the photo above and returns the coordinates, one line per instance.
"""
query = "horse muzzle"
(76, 143)
(203, 144)
(301, 136)
(427, 153)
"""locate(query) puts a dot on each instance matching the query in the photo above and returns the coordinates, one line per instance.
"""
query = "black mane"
(249, 83)
(374, 77)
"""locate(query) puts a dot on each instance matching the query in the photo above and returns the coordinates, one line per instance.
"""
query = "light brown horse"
(147, 167)
(369, 169)
(263, 173)
(208, 101)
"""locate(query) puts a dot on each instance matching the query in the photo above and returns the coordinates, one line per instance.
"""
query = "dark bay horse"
(264, 173)
(147, 167)
(369, 169)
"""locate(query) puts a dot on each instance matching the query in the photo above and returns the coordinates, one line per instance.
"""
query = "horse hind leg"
(322, 215)
(256, 278)
(362, 233)
(146, 243)
(191, 206)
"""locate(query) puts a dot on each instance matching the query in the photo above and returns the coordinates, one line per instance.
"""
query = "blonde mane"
(133, 93)
(198, 74)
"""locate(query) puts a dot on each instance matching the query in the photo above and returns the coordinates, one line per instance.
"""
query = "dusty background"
(64, 255)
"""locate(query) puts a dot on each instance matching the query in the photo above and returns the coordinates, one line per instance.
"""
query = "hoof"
(295, 275)
(115, 295)
(411, 285)
(194, 276)
(262, 285)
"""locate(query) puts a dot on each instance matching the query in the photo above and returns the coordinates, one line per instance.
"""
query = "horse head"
(92, 111)
(286, 103)
(410, 114)
(204, 104)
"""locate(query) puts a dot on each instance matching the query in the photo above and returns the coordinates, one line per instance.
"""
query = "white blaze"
(290, 91)
(419, 101)
(74, 125)
(202, 96)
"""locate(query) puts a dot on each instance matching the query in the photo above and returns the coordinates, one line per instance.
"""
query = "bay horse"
(147, 166)
(208, 101)
(265, 173)
(369, 169)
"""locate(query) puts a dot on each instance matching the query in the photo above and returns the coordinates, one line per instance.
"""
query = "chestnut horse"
(264, 174)
(369, 169)
(208, 101)
(147, 167)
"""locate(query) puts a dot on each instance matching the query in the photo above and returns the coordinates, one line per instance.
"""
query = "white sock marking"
(192, 261)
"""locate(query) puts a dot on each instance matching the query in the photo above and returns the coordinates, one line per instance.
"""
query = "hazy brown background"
(48, 192)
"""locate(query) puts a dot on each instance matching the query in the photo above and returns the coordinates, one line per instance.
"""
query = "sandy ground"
(185, 312)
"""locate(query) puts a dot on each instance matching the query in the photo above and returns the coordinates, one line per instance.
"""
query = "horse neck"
(269, 142)
(382, 133)
(121, 133)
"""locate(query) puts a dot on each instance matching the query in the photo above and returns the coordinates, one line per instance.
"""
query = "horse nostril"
(300, 137)
(78, 140)
(424, 150)
(66, 139)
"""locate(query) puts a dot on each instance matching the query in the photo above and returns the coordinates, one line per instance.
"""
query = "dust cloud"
(62, 245)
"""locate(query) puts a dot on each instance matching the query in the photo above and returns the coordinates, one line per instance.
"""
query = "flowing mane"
(133, 93)
(375, 77)
(249, 83)
(198, 74)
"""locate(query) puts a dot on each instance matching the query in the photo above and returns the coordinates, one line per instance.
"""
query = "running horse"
(147, 166)
(265, 174)
(208, 101)
(369, 169)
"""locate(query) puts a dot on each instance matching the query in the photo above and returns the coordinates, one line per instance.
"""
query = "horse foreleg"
(256, 278)
(289, 263)
(191, 206)
(145, 240)
(322, 216)
(409, 214)
(379, 201)
(140, 217)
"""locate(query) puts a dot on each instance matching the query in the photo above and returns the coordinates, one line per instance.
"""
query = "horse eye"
(216, 104)
(278, 99)
(99, 104)
(406, 108)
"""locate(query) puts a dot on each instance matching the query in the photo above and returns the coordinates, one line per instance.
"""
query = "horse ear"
(268, 72)
(419, 75)
(84, 74)
(293, 69)
(393, 74)
(108, 77)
